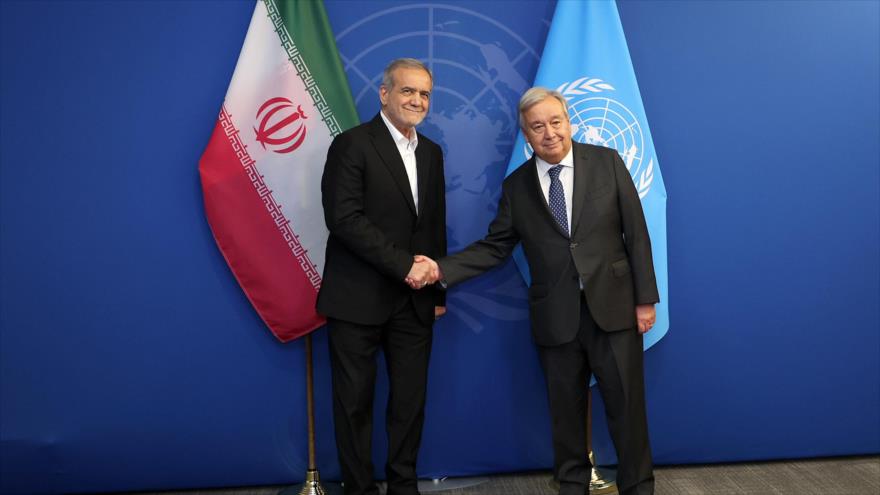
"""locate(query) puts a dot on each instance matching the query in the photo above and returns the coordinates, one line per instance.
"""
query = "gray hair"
(406, 63)
(534, 96)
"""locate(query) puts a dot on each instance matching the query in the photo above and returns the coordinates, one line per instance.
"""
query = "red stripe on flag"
(261, 259)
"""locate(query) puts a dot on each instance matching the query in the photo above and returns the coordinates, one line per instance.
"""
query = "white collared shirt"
(566, 176)
(407, 149)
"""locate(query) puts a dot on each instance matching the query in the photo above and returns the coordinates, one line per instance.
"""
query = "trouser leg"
(407, 344)
(616, 359)
(565, 369)
(353, 363)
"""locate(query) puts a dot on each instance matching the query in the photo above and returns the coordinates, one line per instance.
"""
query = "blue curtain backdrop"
(131, 360)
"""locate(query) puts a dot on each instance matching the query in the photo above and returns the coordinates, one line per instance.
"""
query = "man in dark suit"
(577, 213)
(384, 200)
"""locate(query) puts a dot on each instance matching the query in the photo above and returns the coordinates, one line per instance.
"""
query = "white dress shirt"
(407, 149)
(566, 176)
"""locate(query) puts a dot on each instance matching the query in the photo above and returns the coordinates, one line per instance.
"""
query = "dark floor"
(836, 476)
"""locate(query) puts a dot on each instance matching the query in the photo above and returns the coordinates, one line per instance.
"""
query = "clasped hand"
(424, 271)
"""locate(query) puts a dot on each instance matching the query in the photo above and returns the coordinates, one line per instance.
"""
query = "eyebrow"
(427, 91)
(551, 119)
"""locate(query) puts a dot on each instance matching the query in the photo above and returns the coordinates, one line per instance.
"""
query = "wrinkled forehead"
(547, 109)
(412, 77)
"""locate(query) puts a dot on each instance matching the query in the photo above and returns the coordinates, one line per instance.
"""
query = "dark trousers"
(615, 358)
(406, 343)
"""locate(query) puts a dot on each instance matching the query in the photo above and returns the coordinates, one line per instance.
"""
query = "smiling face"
(548, 130)
(405, 102)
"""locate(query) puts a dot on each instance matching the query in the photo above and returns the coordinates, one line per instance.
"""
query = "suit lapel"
(387, 150)
(540, 197)
(423, 169)
(580, 186)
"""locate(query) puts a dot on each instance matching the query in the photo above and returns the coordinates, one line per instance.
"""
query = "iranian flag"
(261, 171)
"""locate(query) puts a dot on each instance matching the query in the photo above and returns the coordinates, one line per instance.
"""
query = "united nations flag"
(587, 60)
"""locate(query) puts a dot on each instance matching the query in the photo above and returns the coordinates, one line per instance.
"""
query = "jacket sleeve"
(635, 233)
(441, 223)
(486, 253)
(342, 194)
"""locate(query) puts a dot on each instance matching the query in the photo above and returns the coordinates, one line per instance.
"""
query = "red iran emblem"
(281, 127)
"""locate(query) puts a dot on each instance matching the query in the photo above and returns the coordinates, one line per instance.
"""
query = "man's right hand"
(424, 271)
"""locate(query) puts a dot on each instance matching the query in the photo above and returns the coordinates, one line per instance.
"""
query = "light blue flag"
(586, 59)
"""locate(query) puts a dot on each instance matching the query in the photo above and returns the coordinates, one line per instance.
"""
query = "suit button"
(573, 245)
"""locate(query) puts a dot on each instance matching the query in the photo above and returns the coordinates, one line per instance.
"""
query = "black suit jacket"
(374, 228)
(609, 248)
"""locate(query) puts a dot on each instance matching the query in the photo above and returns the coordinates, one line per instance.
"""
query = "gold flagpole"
(312, 483)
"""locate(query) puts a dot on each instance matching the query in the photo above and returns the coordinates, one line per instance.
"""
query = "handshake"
(424, 271)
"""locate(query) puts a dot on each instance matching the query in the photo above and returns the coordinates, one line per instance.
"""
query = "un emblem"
(604, 121)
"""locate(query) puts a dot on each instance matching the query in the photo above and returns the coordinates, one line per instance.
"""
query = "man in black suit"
(593, 288)
(384, 200)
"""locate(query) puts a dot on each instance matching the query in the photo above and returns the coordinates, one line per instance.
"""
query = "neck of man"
(406, 131)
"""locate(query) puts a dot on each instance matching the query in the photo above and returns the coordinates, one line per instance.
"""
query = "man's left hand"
(646, 315)
(439, 311)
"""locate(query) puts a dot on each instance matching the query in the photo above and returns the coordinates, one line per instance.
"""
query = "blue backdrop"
(131, 360)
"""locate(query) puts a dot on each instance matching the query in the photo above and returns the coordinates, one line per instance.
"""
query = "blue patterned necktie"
(556, 197)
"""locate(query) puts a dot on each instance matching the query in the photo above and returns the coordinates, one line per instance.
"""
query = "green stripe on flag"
(306, 36)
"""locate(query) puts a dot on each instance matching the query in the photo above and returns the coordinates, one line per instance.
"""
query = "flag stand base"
(602, 480)
(312, 486)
